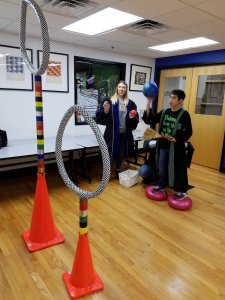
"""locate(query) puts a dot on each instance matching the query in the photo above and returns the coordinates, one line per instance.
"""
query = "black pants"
(123, 149)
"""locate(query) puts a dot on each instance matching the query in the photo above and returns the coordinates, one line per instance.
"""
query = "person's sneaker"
(157, 189)
(180, 196)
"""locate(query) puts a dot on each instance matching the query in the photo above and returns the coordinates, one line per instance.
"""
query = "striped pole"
(39, 124)
(83, 216)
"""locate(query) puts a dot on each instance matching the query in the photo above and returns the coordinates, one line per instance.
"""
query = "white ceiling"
(184, 19)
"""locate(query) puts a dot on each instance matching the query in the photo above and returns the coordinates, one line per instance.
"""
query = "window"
(210, 95)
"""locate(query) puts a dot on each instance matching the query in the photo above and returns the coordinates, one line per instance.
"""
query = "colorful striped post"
(83, 216)
(43, 232)
(39, 124)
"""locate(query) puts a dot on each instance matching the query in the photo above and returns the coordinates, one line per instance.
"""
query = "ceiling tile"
(66, 36)
(4, 23)
(118, 36)
(213, 7)
(31, 30)
(185, 17)
(173, 36)
(147, 8)
(207, 28)
(9, 10)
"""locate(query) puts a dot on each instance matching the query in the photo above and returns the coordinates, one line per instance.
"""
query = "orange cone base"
(33, 246)
(76, 292)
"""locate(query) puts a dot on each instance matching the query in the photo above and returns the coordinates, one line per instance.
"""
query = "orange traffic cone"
(83, 280)
(42, 233)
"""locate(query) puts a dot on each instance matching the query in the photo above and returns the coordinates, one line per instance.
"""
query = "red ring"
(184, 204)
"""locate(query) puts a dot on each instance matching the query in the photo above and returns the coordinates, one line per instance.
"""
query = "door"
(204, 88)
(208, 114)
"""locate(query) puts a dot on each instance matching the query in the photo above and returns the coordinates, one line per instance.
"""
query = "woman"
(119, 115)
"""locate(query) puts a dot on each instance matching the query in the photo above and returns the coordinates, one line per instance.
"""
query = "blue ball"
(150, 89)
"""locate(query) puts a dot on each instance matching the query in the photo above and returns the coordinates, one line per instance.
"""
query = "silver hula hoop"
(103, 148)
(45, 37)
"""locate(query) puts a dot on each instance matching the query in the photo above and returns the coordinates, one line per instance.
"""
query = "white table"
(28, 147)
(20, 153)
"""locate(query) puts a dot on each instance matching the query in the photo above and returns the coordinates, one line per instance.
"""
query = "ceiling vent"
(146, 27)
(68, 7)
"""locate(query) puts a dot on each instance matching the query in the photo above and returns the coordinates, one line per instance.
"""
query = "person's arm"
(149, 117)
(149, 104)
(103, 113)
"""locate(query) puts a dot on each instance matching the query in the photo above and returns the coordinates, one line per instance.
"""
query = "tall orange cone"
(42, 233)
(83, 279)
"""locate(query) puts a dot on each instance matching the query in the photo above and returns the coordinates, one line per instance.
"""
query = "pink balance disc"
(184, 204)
(161, 196)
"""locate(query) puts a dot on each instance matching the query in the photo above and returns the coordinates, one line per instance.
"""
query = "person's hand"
(132, 114)
(78, 115)
(169, 138)
(149, 103)
(106, 107)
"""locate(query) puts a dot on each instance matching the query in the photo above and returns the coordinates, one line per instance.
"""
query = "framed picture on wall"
(14, 74)
(56, 77)
(139, 75)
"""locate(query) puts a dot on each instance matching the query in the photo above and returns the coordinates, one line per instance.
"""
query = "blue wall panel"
(202, 58)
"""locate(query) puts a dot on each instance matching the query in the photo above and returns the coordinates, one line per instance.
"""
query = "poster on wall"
(94, 80)
(14, 74)
(139, 75)
(56, 76)
(87, 99)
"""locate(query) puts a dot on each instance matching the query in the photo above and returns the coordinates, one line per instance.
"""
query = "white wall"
(17, 108)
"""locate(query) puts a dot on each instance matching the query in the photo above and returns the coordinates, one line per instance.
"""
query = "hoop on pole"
(45, 37)
(102, 146)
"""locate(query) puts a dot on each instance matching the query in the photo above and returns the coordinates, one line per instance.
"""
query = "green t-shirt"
(167, 125)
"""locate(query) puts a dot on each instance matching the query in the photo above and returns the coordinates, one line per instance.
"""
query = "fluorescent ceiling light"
(102, 21)
(186, 44)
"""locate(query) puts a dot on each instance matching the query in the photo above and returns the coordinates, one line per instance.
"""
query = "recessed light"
(186, 44)
(102, 21)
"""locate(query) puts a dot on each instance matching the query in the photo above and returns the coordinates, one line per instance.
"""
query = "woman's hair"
(179, 93)
(116, 96)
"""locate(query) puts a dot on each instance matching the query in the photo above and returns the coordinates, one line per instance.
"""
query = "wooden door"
(208, 114)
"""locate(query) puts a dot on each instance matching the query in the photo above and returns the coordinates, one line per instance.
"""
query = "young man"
(175, 129)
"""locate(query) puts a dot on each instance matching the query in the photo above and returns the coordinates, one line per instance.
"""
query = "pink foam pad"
(184, 204)
(161, 196)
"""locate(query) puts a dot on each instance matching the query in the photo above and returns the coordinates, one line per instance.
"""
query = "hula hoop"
(103, 148)
(45, 37)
